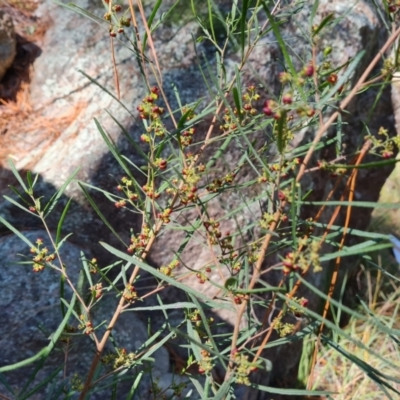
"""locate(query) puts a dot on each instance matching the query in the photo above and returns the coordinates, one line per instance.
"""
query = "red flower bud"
(332, 79)
(281, 196)
(287, 98)
(267, 111)
(309, 70)
(387, 154)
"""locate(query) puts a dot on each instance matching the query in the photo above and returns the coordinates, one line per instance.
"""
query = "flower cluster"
(126, 186)
(130, 294)
(206, 361)
(97, 290)
(300, 260)
(393, 6)
(239, 297)
(202, 277)
(168, 269)
(188, 194)
(42, 256)
(165, 216)
(294, 309)
(243, 368)
(386, 145)
(230, 257)
(195, 318)
(275, 171)
(86, 325)
(161, 163)
(119, 22)
(93, 266)
(279, 110)
(151, 112)
(150, 192)
(283, 329)
(213, 230)
(219, 183)
(245, 114)
(139, 242)
(186, 136)
(121, 358)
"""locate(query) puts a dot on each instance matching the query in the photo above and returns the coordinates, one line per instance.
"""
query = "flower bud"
(287, 98)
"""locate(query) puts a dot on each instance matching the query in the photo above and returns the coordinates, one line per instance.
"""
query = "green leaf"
(363, 204)
(342, 79)
(173, 306)
(41, 384)
(163, 277)
(61, 221)
(113, 149)
(17, 232)
(236, 99)
(17, 175)
(150, 20)
(280, 132)
(243, 17)
(359, 249)
(82, 11)
(290, 392)
(100, 214)
(12, 201)
(325, 22)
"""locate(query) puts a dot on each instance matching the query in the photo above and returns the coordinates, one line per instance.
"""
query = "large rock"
(31, 313)
(8, 44)
(73, 43)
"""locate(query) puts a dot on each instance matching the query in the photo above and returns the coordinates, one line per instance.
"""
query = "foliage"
(181, 180)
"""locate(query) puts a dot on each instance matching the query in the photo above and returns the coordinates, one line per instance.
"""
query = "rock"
(31, 313)
(8, 44)
(73, 43)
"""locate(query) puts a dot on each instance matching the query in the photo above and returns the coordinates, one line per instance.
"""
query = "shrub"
(268, 263)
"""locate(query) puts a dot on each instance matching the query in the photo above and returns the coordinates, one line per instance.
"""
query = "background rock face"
(30, 313)
(7, 43)
(68, 100)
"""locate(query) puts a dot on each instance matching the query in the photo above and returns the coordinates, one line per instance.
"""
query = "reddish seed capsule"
(332, 79)
(304, 302)
(267, 111)
(309, 70)
(387, 154)
(281, 196)
(287, 263)
(310, 112)
(392, 8)
(117, 7)
(287, 98)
